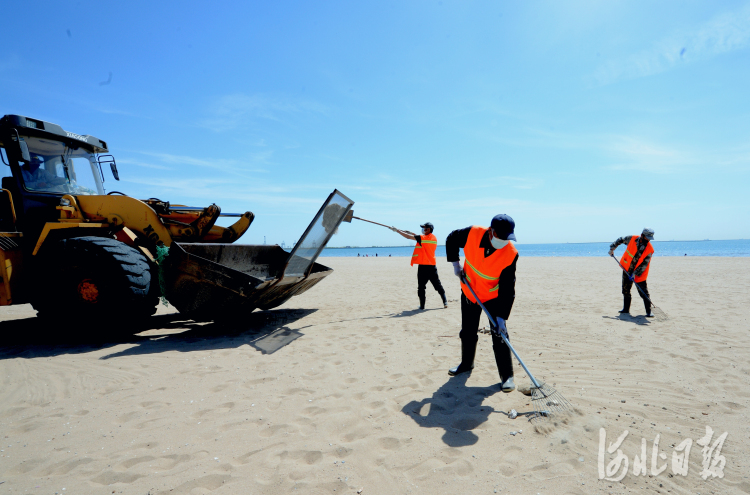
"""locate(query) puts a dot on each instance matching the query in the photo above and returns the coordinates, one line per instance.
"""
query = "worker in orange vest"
(424, 256)
(636, 261)
(490, 269)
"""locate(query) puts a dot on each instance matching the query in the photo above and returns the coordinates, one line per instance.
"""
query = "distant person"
(490, 269)
(636, 262)
(424, 257)
(357, 255)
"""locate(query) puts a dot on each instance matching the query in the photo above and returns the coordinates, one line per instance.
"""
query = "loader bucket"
(211, 280)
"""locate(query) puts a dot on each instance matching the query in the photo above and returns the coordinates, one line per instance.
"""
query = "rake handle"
(493, 324)
(382, 225)
(370, 221)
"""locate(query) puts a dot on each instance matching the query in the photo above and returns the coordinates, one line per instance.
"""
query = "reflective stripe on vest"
(629, 254)
(487, 270)
(424, 254)
(480, 273)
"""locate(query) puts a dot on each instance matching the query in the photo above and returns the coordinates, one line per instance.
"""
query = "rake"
(548, 403)
(659, 315)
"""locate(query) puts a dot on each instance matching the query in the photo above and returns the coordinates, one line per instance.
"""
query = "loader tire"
(95, 280)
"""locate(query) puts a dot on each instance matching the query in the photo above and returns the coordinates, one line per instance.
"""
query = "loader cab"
(40, 163)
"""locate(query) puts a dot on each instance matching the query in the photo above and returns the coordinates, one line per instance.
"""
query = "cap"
(649, 233)
(503, 225)
(428, 225)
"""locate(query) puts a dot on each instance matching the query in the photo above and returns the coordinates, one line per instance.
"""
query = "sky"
(584, 121)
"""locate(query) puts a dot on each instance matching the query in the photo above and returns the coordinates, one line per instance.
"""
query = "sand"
(345, 388)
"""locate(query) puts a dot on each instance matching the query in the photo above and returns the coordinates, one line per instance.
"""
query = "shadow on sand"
(456, 408)
(411, 312)
(403, 314)
(638, 320)
(265, 331)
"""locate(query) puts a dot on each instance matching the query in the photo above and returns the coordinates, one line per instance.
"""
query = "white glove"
(501, 328)
(611, 252)
(457, 269)
(393, 229)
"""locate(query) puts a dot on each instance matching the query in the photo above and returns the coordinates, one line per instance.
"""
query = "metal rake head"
(549, 404)
(659, 315)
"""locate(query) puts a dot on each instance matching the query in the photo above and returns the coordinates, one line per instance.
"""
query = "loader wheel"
(96, 280)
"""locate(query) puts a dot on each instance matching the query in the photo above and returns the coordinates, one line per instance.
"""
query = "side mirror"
(102, 159)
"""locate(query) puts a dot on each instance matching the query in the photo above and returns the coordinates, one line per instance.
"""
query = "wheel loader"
(70, 246)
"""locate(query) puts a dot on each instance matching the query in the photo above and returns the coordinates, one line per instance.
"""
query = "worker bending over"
(490, 269)
(636, 262)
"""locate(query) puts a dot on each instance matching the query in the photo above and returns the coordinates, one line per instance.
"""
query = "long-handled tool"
(547, 401)
(350, 215)
(659, 315)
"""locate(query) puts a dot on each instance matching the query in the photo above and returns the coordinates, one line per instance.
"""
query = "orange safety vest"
(424, 254)
(630, 251)
(483, 274)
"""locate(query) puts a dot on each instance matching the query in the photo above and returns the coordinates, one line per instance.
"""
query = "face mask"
(425, 231)
(498, 243)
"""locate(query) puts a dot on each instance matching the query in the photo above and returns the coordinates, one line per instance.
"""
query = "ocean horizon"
(724, 248)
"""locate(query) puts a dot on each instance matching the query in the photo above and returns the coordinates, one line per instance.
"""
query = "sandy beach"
(345, 390)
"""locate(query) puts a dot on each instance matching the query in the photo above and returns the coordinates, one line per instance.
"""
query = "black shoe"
(649, 315)
(624, 311)
(458, 370)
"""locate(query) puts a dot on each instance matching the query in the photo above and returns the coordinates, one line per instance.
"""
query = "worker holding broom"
(635, 264)
(424, 257)
(490, 269)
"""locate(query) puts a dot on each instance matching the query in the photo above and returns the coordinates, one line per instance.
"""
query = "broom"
(548, 403)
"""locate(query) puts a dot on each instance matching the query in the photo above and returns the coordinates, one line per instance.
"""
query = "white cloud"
(724, 33)
(635, 153)
(238, 109)
(211, 189)
(736, 159)
(391, 196)
(237, 167)
(632, 153)
(115, 111)
(138, 163)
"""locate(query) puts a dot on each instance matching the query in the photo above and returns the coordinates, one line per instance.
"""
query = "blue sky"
(584, 121)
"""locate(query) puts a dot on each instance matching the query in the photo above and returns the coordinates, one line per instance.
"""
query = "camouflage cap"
(648, 233)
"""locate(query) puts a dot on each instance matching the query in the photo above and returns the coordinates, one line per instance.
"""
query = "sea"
(731, 248)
